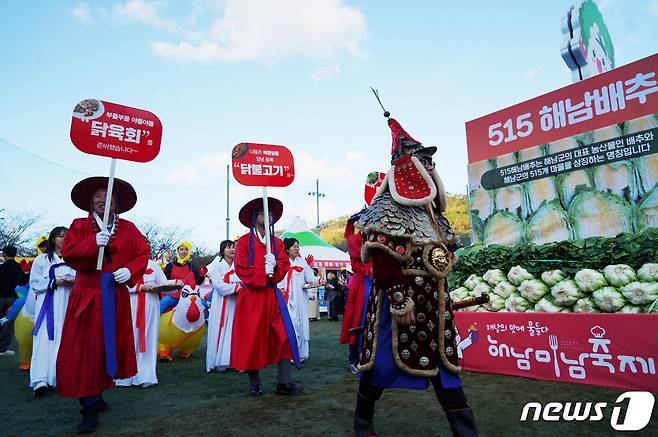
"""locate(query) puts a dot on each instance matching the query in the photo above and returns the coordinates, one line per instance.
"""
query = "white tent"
(324, 254)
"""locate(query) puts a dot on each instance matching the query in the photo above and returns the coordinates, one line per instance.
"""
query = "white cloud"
(82, 13)
(245, 30)
(325, 73)
(262, 30)
(146, 12)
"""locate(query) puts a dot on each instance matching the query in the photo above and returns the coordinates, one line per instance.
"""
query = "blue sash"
(108, 305)
(47, 308)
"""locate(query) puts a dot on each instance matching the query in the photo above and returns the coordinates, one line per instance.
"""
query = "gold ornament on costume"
(439, 259)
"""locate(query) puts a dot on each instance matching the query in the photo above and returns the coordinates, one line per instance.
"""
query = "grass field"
(188, 401)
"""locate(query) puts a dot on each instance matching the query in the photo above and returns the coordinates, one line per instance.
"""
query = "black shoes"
(102, 406)
(89, 422)
(364, 428)
(41, 391)
(289, 389)
(256, 389)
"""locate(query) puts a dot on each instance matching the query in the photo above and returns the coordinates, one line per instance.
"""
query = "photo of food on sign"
(88, 109)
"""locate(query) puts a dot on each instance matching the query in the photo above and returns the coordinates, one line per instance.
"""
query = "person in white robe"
(145, 310)
(294, 289)
(226, 286)
(50, 281)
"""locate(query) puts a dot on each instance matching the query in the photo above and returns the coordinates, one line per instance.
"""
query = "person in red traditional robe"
(260, 336)
(97, 338)
(359, 283)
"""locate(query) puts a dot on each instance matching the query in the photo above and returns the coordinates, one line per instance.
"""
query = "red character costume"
(259, 334)
(82, 368)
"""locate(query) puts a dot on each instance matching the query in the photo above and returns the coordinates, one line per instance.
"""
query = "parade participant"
(145, 310)
(333, 289)
(11, 274)
(226, 286)
(409, 338)
(358, 284)
(294, 290)
(51, 280)
(186, 271)
(262, 330)
(42, 244)
(97, 338)
(183, 268)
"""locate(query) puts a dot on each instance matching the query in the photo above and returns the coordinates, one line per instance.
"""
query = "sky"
(291, 72)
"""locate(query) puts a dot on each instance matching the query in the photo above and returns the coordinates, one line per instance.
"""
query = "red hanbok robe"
(356, 290)
(81, 360)
(259, 336)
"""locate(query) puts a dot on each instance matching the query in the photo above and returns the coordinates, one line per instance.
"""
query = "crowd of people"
(104, 313)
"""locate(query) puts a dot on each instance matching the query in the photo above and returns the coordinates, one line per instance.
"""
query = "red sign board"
(618, 95)
(613, 350)
(116, 131)
(263, 165)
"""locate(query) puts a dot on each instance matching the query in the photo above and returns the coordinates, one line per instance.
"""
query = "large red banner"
(618, 95)
(263, 165)
(614, 350)
(116, 131)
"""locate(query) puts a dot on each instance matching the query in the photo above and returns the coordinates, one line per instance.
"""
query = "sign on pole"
(263, 165)
(118, 132)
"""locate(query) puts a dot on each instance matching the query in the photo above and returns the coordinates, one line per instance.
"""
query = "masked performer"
(409, 338)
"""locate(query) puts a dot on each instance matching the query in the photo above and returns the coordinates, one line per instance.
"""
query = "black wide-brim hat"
(275, 207)
(83, 191)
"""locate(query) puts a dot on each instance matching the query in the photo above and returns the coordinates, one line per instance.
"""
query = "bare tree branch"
(19, 229)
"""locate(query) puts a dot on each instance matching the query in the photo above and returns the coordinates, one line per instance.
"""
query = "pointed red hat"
(404, 144)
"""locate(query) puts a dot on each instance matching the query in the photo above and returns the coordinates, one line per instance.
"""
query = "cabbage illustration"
(512, 199)
(475, 172)
(540, 191)
(548, 224)
(504, 228)
(600, 214)
(482, 202)
(568, 185)
(647, 210)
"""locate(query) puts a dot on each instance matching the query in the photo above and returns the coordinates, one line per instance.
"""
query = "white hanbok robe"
(293, 288)
(44, 351)
(150, 308)
(226, 285)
